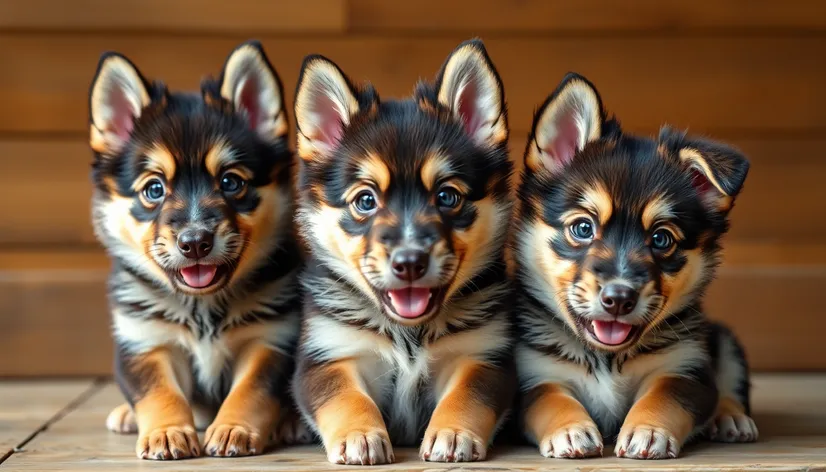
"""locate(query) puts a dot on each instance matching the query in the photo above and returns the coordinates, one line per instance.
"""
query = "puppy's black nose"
(618, 299)
(195, 243)
(410, 264)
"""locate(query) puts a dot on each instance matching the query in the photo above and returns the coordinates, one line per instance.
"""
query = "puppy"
(192, 200)
(618, 236)
(404, 206)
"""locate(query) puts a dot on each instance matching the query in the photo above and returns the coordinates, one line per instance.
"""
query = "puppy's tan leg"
(248, 415)
(731, 423)
(165, 426)
(559, 424)
(664, 416)
(463, 423)
(348, 420)
(121, 420)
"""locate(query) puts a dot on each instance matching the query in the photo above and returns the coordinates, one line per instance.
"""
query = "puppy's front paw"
(228, 440)
(361, 448)
(169, 442)
(733, 428)
(121, 420)
(647, 442)
(573, 441)
(452, 445)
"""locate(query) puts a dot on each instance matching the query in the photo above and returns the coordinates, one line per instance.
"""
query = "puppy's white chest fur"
(405, 378)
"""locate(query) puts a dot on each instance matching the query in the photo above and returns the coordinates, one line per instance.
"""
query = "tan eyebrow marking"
(598, 200)
(660, 208)
(372, 168)
(435, 165)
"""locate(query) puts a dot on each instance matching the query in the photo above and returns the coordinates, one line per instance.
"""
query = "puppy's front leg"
(347, 419)
(248, 415)
(475, 396)
(664, 416)
(559, 423)
(166, 429)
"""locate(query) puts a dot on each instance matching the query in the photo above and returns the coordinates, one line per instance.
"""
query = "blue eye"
(583, 229)
(662, 240)
(365, 202)
(154, 191)
(232, 184)
(448, 198)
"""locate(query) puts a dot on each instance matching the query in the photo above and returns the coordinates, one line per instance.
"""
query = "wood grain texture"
(789, 410)
(49, 181)
(179, 16)
(594, 16)
(720, 85)
(28, 405)
(53, 314)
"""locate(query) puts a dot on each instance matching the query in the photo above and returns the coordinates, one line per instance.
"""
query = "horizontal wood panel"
(55, 315)
(178, 16)
(715, 85)
(47, 186)
(432, 16)
(553, 16)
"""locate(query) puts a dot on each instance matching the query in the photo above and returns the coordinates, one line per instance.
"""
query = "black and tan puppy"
(192, 200)
(618, 237)
(404, 206)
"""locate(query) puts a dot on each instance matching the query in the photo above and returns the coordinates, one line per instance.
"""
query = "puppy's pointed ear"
(470, 87)
(717, 171)
(325, 104)
(570, 118)
(251, 85)
(117, 97)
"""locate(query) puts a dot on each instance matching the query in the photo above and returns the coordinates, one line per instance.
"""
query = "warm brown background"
(752, 72)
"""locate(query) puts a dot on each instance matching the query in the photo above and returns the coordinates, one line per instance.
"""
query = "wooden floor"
(60, 426)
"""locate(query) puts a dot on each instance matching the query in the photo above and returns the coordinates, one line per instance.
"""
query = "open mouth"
(413, 302)
(202, 277)
(610, 333)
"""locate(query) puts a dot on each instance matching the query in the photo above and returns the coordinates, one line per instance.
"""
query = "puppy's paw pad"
(121, 420)
(361, 448)
(647, 442)
(452, 445)
(169, 442)
(734, 429)
(573, 441)
(229, 440)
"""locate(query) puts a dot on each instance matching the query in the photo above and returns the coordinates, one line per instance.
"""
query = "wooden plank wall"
(750, 72)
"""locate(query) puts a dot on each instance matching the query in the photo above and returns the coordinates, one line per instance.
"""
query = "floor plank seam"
(97, 385)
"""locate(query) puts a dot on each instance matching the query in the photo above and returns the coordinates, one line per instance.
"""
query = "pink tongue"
(410, 302)
(611, 332)
(199, 275)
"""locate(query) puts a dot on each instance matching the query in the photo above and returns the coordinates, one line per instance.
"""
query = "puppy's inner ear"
(717, 175)
(324, 105)
(252, 86)
(571, 119)
(118, 97)
(470, 87)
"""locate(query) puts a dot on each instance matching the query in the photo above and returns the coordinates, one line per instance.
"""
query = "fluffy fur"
(389, 188)
(617, 238)
(192, 200)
